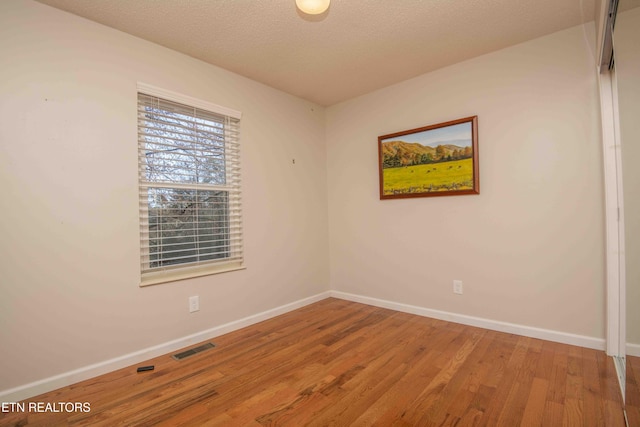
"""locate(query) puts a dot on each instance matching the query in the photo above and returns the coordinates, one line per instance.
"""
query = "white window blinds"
(189, 181)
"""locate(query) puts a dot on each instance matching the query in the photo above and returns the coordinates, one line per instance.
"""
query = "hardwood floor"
(633, 391)
(339, 363)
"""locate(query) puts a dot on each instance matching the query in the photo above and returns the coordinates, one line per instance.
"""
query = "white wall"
(530, 248)
(69, 253)
(627, 34)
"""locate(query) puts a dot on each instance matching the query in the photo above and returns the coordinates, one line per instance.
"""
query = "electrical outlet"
(457, 287)
(194, 304)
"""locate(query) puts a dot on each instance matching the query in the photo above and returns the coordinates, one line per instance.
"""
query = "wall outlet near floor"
(194, 304)
(457, 287)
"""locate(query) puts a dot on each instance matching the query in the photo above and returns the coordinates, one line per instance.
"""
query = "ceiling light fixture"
(313, 7)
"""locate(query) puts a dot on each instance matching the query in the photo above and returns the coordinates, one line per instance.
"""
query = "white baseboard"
(512, 328)
(48, 384)
(633, 349)
(62, 380)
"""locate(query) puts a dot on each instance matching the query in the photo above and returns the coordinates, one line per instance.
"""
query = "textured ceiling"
(355, 47)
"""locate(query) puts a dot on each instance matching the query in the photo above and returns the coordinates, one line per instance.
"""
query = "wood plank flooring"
(339, 363)
(633, 391)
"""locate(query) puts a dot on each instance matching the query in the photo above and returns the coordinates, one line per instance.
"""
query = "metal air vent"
(192, 351)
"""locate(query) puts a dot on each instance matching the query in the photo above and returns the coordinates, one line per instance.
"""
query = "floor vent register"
(192, 351)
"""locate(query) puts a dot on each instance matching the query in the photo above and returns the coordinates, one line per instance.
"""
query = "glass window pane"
(187, 226)
(182, 148)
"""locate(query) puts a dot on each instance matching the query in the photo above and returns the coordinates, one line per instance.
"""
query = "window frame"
(235, 260)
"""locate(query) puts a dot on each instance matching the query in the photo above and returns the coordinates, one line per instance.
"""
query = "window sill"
(166, 276)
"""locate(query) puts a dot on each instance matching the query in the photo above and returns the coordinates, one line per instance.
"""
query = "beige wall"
(627, 34)
(530, 248)
(69, 293)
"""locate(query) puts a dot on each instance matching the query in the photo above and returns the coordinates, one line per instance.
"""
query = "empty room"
(249, 212)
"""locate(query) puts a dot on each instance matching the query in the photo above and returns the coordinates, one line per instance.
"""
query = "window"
(189, 181)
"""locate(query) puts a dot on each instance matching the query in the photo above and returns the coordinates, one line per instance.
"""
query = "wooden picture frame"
(431, 161)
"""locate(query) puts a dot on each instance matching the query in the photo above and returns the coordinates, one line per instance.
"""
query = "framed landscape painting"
(436, 160)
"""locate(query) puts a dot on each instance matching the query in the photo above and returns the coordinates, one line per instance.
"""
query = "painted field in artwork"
(434, 177)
